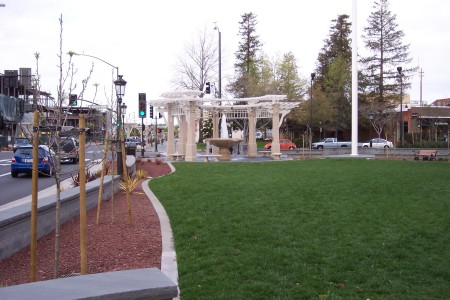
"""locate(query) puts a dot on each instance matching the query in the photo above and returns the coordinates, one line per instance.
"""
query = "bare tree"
(52, 119)
(198, 62)
(197, 65)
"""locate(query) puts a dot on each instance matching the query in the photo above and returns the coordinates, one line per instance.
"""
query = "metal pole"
(142, 138)
(311, 100)
(119, 147)
(401, 110)
(156, 133)
(354, 79)
(220, 64)
(83, 232)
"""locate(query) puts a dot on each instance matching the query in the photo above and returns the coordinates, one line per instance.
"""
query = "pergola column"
(182, 138)
(191, 147)
(275, 130)
(170, 130)
(251, 146)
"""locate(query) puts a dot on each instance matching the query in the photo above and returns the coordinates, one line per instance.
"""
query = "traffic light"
(73, 99)
(159, 115)
(208, 88)
(142, 105)
(151, 111)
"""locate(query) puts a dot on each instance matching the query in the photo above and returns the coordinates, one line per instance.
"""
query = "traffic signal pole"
(142, 138)
(142, 115)
(156, 134)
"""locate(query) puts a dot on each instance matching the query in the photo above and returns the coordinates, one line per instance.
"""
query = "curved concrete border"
(168, 257)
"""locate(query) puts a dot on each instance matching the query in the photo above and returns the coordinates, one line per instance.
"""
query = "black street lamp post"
(313, 75)
(399, 70)
(370, 128)
(120, 92)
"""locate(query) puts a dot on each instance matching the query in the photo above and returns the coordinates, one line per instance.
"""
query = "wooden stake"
(34, 199)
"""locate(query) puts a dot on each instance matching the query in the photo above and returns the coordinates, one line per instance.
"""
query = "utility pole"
(421, 76)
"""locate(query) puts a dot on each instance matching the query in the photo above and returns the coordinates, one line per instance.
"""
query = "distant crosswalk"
(5, 162)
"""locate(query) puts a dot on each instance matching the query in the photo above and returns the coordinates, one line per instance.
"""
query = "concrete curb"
(168, 257)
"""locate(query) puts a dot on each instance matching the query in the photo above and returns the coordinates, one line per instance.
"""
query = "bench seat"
(207, 157)
(177, 156)
(426, 154)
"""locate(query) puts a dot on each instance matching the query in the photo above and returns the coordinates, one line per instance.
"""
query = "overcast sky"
(144, 38)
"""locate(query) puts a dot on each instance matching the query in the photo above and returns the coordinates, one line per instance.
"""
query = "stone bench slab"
(149, 283)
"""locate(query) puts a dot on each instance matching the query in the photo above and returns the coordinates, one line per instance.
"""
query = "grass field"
(314, 229)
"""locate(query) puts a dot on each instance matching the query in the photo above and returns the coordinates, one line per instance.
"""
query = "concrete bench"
(177, 156)
(265, 153)
(149, 283)
(207, 157)
(276, 156)
(425, 154)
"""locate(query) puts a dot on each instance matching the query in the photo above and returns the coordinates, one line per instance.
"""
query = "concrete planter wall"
(15, 223)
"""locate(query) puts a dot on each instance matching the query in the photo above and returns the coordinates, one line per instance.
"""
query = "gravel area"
(111, 246)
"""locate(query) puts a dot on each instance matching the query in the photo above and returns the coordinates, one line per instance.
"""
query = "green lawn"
(313, 229)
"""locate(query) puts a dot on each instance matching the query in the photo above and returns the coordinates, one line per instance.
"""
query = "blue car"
(22, 161)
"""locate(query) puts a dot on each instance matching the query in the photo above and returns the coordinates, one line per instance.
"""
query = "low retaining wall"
(148, 283)
(15, 222)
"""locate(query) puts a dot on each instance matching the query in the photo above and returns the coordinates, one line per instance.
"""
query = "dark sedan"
(22, 161)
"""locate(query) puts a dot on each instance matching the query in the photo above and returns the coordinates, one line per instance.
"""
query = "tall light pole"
(119, 84)
(313, 75)
(370, 128)
(120, 92)
(399, 70)
(220, 61)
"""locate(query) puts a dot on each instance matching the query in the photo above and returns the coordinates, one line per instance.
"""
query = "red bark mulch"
(110, 246)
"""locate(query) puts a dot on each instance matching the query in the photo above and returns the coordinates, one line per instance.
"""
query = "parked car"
(68, 149)
(330, 143)
(132, 142)
(20, 142)
(285, 144)
(378, 143)
(22, 161)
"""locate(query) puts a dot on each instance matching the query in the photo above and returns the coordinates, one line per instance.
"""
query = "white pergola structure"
(188, 107)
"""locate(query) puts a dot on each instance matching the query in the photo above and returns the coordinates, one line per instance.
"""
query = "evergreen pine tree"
(384, 40)
(334, 76)
(247, 62)
(338, 44)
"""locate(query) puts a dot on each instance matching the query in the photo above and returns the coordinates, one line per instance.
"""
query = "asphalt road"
(12, 189)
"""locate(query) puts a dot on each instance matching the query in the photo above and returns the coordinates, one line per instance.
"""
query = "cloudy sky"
(144, 38)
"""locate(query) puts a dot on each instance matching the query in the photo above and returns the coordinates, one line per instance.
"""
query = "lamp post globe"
(120, 84)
